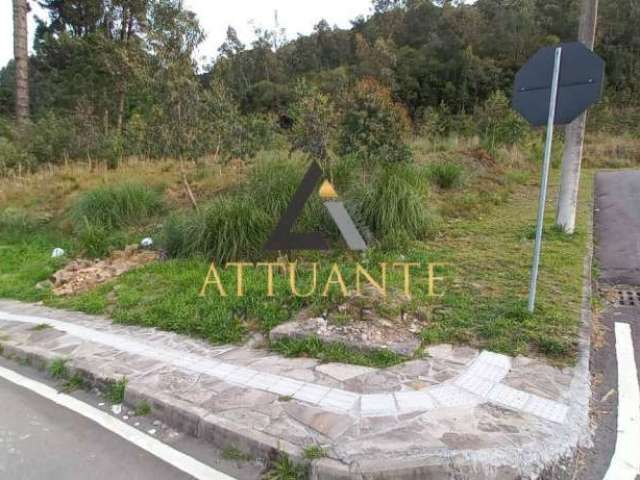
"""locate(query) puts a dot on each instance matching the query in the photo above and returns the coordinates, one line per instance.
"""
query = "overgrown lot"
(476, 214)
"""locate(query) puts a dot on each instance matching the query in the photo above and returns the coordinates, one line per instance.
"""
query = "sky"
(296, 16)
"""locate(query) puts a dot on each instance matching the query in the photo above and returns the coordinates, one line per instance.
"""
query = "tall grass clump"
(446, 174)
(272, 184)
(115, 206)
(17, 221)
(229, 228)
(393, 204)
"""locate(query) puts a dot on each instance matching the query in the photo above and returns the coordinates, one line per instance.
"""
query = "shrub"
(13, 159)
(52, 138)
(446, 174)
(499, 124)
(374, 127)
(229, 228)
(116, 206)
(394, 205)
(314, 124)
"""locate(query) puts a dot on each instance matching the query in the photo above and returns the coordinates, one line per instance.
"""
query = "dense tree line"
(115, 77)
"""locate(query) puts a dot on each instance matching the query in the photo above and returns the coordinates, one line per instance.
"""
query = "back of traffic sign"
(580, 84)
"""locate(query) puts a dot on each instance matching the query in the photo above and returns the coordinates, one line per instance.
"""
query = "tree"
(374, 128)
(21, 54)
(314, 124)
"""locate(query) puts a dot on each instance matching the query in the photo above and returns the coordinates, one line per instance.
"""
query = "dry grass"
(50, 190)
(606, 151)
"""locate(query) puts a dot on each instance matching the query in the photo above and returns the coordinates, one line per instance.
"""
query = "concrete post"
(574, 134)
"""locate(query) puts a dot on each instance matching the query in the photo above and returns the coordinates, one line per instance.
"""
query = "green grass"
(335, 352)
(25, 260)
(489, 257)
(115, 392)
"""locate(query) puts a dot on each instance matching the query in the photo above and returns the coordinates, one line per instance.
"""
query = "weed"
(40, 327)
(313, 452)
(284, 469)
(142, 409)
(58, 368)
(115, 392)
(76, 382)
(335, 352)
(235, 454)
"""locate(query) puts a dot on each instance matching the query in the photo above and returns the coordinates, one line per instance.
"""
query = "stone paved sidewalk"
(455, 412)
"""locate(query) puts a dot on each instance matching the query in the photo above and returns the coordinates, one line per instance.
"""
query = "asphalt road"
(40, 440)
(618, 227)
(617, 236)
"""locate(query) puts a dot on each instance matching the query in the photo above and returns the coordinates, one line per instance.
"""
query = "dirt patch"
(360, 325)
(83, 275)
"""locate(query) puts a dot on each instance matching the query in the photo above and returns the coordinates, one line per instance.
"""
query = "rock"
(83, 275)
(256, 340)
(44, 285)
(156, 423)
(146, 242)
(57, 253)
(152, 431)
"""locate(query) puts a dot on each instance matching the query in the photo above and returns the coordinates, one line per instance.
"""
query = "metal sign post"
(545, 179)
(571, 92)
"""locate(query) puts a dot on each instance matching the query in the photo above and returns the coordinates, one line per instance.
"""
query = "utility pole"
(21, 55)
(574, 134)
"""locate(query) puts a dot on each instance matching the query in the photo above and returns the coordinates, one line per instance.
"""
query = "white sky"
(296, 16)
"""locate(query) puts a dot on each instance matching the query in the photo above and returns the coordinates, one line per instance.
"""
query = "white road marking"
(625, 463)
(170, 455)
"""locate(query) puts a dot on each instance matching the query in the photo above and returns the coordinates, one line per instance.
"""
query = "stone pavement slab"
(456, 409)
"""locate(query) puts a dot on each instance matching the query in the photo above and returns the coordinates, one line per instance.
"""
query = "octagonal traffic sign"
(579, 85)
